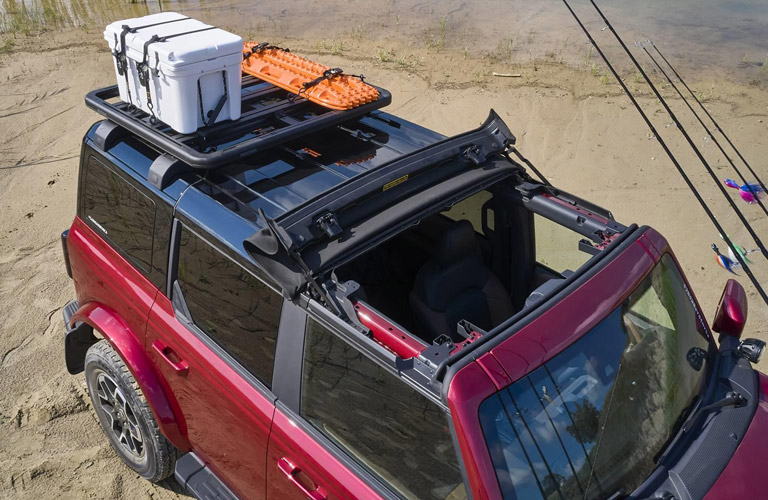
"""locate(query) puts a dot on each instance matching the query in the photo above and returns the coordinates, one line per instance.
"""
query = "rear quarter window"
(230, 305)
(119, 212)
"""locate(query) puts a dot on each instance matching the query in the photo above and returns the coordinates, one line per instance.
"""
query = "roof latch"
(474, 154)
(329, 225)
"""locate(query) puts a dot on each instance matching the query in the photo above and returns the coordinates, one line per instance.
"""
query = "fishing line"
(679, 125)
(711, 136)
(717, 125)
(664, 146)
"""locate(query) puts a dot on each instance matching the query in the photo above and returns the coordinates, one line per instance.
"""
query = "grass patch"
(6, 47)
(384, 56)
(436, 36)
(333, 46)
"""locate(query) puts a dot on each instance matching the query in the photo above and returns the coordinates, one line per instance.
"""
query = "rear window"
(119, 212)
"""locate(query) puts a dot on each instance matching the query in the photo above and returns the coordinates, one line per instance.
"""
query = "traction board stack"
(326, 86)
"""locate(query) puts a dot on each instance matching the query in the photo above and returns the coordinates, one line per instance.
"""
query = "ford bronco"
(321, 304)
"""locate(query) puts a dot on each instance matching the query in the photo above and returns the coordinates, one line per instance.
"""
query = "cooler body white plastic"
(191, 68)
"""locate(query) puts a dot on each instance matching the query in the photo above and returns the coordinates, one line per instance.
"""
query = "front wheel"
(125, 415)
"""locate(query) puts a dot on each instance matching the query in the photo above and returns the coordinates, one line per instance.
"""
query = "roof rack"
(270, 116)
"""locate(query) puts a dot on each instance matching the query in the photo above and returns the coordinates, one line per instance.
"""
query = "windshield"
(589, 422)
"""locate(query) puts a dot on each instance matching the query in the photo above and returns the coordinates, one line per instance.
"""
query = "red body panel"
(103, 276)
(743, 476)
(470, 387)
(106, 283)
(228, 420)
(318, 468)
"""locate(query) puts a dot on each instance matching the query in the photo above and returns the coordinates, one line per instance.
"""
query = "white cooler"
(181, 71)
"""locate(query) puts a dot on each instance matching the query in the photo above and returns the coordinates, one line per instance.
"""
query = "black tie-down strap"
(121, 59)
(327, 75)
(143, 67)
(257, 49)
(209, 118)
(119, 55)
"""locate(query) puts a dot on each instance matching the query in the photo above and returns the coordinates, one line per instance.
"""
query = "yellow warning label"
(395, 182)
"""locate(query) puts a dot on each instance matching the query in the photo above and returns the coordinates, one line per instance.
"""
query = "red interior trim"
(387, 333)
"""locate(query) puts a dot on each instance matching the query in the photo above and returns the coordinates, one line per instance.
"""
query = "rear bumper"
(77, 339)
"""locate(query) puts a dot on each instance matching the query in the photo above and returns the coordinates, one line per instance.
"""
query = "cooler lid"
(186, 41)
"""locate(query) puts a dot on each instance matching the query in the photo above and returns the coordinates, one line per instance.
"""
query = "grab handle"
(180, 367)
(291, 472)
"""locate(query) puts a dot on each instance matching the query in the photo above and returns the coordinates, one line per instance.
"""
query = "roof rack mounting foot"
(107, 134)
(164, 169)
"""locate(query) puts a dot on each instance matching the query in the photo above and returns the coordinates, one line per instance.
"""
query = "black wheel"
(125, 415)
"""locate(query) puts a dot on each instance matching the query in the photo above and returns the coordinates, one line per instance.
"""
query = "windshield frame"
(520, 348)
(658, 325)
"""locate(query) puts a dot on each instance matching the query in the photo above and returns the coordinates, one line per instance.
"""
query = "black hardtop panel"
(288, 176)
(133, 156)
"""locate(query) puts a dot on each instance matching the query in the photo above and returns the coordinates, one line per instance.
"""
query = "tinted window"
(590, 421)
(116, 209)
(233, 307)
(381, 422)
(557, 247)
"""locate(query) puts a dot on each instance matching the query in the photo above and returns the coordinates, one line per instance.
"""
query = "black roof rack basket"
(270, 116)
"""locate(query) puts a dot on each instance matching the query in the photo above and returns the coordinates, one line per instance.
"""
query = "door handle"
(180, 367)
(291, 472)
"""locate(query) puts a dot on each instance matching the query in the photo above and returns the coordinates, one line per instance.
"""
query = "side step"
(199, 480)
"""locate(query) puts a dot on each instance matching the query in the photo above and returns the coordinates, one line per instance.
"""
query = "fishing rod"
(709, 132)
(677, 165)
(679, 125)
(717, 125)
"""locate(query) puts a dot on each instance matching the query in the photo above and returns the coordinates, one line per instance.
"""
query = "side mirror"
(731, 315)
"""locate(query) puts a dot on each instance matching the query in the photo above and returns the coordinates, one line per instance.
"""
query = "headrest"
(457, 243)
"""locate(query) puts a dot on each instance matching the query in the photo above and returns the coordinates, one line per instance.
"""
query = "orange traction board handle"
(305, 78)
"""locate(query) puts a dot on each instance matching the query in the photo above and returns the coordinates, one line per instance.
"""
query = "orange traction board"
(318, 83)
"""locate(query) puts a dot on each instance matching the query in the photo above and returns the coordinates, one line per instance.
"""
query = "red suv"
(322, 304)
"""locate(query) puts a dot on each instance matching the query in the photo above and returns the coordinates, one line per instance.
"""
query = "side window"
(382, 423)
(231, 306)
(119, 211)
(557, 247)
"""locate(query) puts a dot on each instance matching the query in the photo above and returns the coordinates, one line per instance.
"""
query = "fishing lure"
(743, 252)
(725, 262)
(748, 192)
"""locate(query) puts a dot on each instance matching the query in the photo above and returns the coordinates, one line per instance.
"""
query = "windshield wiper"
(617, 495)
(687, 411)
(730, 399)
(690, 418)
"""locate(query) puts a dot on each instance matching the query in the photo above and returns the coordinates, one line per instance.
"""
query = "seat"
(455, 284)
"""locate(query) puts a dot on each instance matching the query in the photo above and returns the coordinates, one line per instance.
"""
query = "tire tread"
(167, 454)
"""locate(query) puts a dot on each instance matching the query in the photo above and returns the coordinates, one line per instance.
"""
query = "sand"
(578, 129)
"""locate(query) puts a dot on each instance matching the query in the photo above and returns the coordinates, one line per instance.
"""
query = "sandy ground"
(580, 131)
